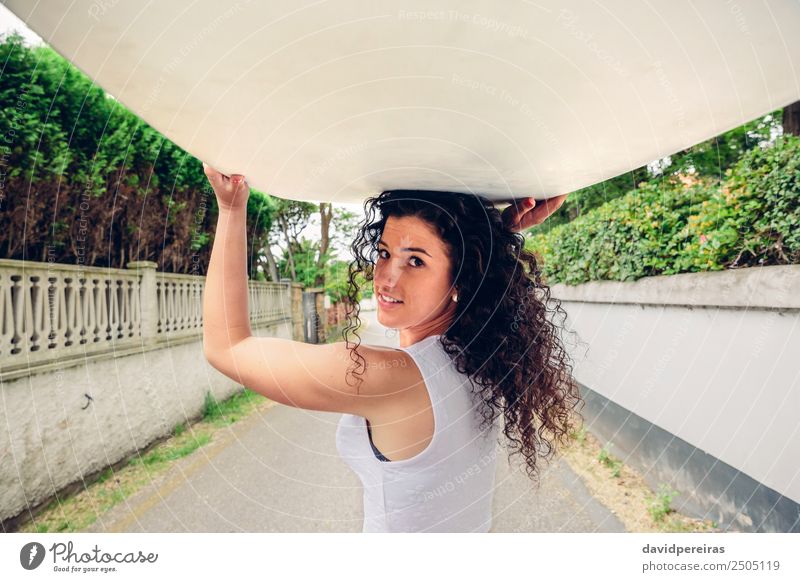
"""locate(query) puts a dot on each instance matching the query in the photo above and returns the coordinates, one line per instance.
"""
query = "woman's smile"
(412, 279)
(388, 302)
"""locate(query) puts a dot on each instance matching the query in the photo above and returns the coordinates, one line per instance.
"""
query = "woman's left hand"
(232, 191)
(528, 212)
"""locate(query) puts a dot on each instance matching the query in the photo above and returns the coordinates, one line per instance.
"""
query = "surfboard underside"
(339, 100)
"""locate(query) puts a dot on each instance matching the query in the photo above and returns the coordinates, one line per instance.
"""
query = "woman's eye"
(419, 262)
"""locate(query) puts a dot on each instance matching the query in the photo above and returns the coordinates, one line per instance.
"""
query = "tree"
(86, 181)
(291, 217)
(714, 156)
(791, 119)
(261, 215)
(710, 159)
(345, 223)
(325, 215)
(336, 280)
(302, 263)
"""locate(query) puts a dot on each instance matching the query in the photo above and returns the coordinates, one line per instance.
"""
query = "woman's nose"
(387, 273)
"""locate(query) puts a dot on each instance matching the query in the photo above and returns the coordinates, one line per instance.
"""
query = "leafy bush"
(670, 227)
(762, 204)
(74, 156)
(709, 159)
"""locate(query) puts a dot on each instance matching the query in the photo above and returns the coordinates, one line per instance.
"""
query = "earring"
(455, 297)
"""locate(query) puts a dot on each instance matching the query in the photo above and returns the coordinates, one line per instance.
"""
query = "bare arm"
(294, 373)
(226, 316)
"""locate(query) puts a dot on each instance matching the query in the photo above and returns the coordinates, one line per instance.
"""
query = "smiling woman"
(412, 280)
(419, 423)
(451, 273)
(292, 373)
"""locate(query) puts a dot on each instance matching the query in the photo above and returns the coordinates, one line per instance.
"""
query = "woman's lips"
(387, 304)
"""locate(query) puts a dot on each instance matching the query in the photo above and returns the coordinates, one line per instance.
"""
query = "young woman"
(476, 348)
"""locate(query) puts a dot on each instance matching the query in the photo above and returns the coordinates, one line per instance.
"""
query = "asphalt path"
(278, 471)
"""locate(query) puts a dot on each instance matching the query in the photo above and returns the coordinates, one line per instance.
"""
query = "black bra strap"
(374, 448)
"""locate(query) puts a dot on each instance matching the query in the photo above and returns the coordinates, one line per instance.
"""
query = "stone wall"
(694, 379)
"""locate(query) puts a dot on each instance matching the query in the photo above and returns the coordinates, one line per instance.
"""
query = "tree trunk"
(791, 119)
(325, 215)
(285, 230)
(273, 266)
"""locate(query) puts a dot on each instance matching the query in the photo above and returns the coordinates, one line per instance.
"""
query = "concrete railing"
(96, 364)
(694, 378)
(52, 313)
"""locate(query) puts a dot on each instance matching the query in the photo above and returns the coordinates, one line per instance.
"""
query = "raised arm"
(294, 373)
(226, 317)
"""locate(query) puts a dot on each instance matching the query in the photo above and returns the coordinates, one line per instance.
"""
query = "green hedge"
(751, 218)
(71, 156)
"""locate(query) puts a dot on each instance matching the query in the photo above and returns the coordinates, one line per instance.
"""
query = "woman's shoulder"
(386, 372)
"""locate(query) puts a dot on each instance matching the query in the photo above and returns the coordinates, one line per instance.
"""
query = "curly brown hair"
(500, 335)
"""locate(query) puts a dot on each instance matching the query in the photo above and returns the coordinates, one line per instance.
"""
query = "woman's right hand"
(231, 191)
(527, 212)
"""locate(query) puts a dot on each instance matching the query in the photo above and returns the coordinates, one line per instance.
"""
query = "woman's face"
(412, 266)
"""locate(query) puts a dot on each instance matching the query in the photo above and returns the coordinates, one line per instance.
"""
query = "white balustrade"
(55, 313)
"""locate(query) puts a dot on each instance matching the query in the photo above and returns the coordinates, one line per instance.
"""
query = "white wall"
(724, 377)
(50, 440)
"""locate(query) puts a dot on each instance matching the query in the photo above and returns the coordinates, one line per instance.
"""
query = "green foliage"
(336, 280)
(631, 237)
(261, 209)
(92, 161)
(659, 506)
(105, 475)
(230, 410)
(164, 455)
(610, 461)
(709, 161)
(333, 272)
(579, 435)
(304, 255)
(667, 227)
(764, 187)
(35, 145)
(584, 200)
(365, 287)
(712, 158)
(211, 407)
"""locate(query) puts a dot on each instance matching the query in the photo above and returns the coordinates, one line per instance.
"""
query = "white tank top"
(448, 486)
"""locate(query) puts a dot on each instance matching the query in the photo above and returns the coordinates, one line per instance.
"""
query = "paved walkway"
(278, 471)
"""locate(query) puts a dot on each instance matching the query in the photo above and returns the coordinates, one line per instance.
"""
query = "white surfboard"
(336, 100)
